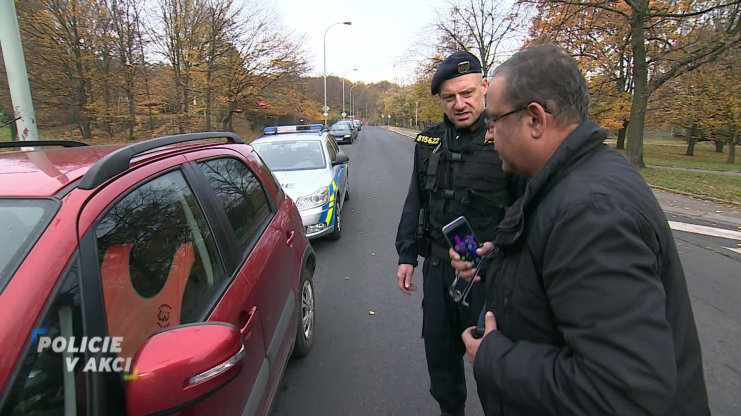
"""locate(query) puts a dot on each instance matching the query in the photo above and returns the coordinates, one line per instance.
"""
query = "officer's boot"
(459, 412)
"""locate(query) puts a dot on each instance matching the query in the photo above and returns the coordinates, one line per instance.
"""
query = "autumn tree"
(706, 103)
(294, 98)
(222, 26)
(262, 54)
(59, 37)
(484, 28)
(125, 22)
(667, 38)
(600, 44)
(429, 108)
(182, 43)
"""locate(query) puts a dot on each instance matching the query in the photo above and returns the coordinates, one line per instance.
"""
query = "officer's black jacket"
(480, 187)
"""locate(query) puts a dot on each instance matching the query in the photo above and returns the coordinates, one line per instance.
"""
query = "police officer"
(456, 172)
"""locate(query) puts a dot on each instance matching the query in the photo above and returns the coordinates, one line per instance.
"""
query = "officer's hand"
(472, 344)
(404, 277)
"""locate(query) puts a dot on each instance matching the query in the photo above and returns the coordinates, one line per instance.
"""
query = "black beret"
(455, 65)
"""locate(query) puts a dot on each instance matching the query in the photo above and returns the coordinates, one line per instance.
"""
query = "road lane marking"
(701, 229)
(735, 250)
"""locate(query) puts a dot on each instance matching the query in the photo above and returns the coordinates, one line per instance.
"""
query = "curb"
(404, 132)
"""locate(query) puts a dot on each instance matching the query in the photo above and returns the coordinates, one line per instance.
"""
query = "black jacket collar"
(581, 141)
(480, 126)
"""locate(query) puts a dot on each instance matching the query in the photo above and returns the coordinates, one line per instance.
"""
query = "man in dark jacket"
(455, 173)
(589, 310)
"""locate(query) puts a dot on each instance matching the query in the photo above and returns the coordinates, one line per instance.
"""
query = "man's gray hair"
(547, 75)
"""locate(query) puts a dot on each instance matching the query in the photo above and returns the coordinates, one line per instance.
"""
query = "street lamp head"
(347, 23)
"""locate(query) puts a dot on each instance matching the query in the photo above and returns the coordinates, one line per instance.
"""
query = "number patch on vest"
(427, 139)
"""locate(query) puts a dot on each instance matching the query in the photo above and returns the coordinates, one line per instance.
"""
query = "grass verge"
(712, 186)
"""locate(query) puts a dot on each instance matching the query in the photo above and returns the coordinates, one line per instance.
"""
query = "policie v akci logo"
(71, 345)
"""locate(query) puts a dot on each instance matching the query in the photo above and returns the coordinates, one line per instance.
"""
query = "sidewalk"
(716, 214)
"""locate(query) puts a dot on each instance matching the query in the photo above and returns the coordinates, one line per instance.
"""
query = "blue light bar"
(301, 128)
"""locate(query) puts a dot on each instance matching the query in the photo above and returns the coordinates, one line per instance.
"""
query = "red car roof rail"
(42, 143)
(119, 161)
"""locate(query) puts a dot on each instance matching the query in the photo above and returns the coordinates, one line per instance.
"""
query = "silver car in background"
(312, 170)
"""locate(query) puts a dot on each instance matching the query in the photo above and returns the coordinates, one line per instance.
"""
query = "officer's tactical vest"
(470, 182)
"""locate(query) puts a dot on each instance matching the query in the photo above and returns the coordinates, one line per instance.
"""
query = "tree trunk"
(732, 150)
(185, 116)
(621, 136)
(691, 140)
(131, 120)
(719, 146)
(634, 150)
(226, 122)
(107, 89)
(207, 111)
(181, 129)
(82, 118)
(209, 77)
(146, 80)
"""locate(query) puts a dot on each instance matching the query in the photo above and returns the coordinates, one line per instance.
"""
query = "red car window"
(128, 313)
(241, 195)
(159, 263)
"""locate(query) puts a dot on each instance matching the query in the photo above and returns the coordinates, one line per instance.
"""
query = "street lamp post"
(352, 103)
(416, 122)
(343, 91)
(325, 109)
(352, 106)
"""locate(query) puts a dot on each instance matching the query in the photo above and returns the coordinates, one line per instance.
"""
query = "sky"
(376, 44)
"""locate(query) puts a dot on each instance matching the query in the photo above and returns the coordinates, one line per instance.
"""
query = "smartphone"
(461, 238)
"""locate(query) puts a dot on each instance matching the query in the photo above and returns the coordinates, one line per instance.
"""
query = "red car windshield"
(21, 223)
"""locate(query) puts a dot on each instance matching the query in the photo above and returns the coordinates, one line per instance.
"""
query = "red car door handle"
(289, 237)
(250, 318)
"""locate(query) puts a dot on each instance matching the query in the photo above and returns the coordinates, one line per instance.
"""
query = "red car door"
(161, 265)
(268, 261)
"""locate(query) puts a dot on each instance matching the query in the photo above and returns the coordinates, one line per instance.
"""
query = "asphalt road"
(368, 356)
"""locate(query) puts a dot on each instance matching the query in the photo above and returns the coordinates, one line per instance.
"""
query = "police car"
(312, 170)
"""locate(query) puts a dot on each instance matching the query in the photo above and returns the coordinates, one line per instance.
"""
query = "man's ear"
(537, 119)
(485, 84)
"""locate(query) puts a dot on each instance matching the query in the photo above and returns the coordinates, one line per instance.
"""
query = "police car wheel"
(337, 231)
(347, 191)
(306, 316)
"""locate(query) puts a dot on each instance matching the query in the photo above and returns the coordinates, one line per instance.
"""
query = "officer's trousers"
(442, 325)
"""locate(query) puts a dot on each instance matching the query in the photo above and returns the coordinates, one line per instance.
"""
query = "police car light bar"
(302, 128)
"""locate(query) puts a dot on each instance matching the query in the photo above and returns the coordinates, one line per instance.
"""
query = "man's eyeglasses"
(491, 120)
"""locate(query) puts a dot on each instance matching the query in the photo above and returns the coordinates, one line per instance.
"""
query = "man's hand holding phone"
(464, 248)
(466, 268)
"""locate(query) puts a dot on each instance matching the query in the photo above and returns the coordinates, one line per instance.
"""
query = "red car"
(169, 276)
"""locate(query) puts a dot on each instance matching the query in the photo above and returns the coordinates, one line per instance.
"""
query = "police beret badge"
(457, 64)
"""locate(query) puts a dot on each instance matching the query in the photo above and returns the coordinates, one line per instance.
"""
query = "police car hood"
(298, 183)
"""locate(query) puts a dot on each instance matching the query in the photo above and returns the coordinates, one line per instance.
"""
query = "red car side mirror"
(179, 366)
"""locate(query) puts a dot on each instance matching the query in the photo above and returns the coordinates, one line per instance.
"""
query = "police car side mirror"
(341, 158)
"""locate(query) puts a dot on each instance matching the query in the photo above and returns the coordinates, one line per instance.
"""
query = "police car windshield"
(294, 155)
